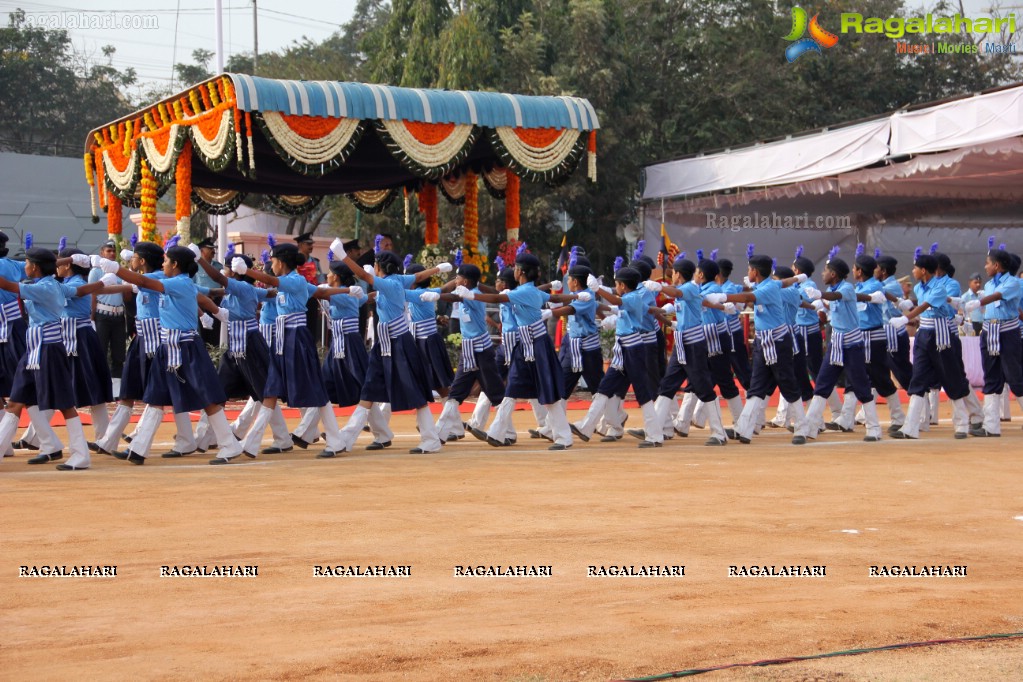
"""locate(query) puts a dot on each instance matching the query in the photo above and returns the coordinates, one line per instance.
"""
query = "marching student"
(896, 338)
(738, 356)
(580, 354)
(715, 325)
(974, 415)
(772, 348)
(182, 374)
(629, 361)
(845, 352)
(422, 306)
(294, 374)
(808, 339)
(999, 339)
(931, 345)
(344, 367)
(41, 378)
(395, 374)
(477, 359)
(688, 360)
(505, 281)
(534, 371)
(12, 325)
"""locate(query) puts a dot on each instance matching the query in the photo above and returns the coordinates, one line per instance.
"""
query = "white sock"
(478, 420)
(243, 421)
(350, 433)
(100, 419)
(109, 440)
(254, 438)
(279, 429)
(184, 439)
(380, 422)
(45, 437)
(593, 415)
(557, 421)
(308, 428)
(77, 444)
(502, 424)
(8, 427)
(329, 420)
(145, 431)
(228, 446)
(429, 440)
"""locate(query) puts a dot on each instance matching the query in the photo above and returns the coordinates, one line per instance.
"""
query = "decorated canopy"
(297, 141)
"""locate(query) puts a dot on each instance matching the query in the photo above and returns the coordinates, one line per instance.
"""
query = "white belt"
(109, 309)
(173, 339)
(691, 335)
(390, 330)
(527, 334)
(424, 328)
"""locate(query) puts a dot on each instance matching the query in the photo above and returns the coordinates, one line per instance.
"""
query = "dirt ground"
(839, 503)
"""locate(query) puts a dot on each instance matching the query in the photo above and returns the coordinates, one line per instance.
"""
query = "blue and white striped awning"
(333, 99)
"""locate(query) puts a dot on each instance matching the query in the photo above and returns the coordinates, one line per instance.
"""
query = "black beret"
(528, 260)
(306, 237)
(284, 250)
(38, 254)
(207, 243)
(339, 268)
(150, 249)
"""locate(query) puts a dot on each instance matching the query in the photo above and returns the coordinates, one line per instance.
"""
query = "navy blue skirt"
(295, 376)
(46, 387)
(244, 378)
(345, 376)
(192, 387)
(135, 375)
(90, 371)
(541, 379)
(11, 353)
(399, 379)
(438, 362)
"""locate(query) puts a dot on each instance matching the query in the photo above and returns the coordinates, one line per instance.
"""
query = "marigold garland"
(252, 151)
(183, 193)
(147, 225)
(114, 217)
(90, 177)
(428, 207)
(472, 221)
(511, 207)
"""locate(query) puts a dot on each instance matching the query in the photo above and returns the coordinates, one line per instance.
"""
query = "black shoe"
(420, 451)
(478, 434)
(535, 433)
(68, 467)
(872, 439)
(274, 450)
(716, 442)
(497, 443)
(977, 425)
(92, 446)
(961, 435)
(559, 446)
(222, 460)
(649, 444)
(894, 427)
(378, 446)
(732, 435)
(24, 445)
(299, 442)
(451, 438)
(174, 454)
(981, 433)
(126, 437)
(900, 435)
(576, 431)
(136, 459)
(835, 426)
(329, 454)
(684, 435)
(364, 428)
(637, 433)
(121, 454)
(609, 439)
(51, 457)
(799, 440)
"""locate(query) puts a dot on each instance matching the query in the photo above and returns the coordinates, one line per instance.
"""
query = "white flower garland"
(214, 149)
(454, 187)
(122, 179)
(430, 156)
(184, 231)
(162, 163)
(538, 159)
(372, 197)
(311, 151)
(497, 178)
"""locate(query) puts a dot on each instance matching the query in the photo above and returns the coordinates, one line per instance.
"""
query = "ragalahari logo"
(819, 38)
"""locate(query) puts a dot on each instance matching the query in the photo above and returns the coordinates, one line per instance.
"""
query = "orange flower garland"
(472, 220)
(511, 206)
(428, 207)
(114, 217)
(183, 193)
(591, 157)
(90, 177)
(148, 224)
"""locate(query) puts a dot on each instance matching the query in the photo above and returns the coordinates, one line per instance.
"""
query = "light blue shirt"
(44, 301)
(648, 323)
(844, 317)
(473, 318)
(711, 315)
(75, 306)
(583, 322)
(508, 323)
(889, 309)
(147, 301)
(870, 314)
(805, 316)
(178, 307)
(932, 293)
(241, 299)
(345, 307)
(767, 311)
(791, 297)
(391, 295)
(632, 309)
(268, 313)
(421, 310)
(527, 303)
(293, 293)
(689, 306)
(1009, 287)
(106, 299)
(978, 314)
(14, 271)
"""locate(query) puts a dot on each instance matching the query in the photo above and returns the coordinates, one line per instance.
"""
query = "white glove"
(465, 293)
(584, 296)
(429, 296)
(653, 286)
(108, 266)
(322, 286)
(878, 297)
(195, 249)
(546, 314)
(818, 305)
(369, 269)
(557, 286)
(812, 294)
(134, 288)
(206, 321)
(94, 261)
(239, 266)
(337, 248)
(905, 305)
(730, 309)
(126, 254)
(222, 315)
(749, 284)
(609, 322)
(357, 292)
(716, 298)
(668, 308)
(955, 301)
(81, 260)
(899, 322)
(592, 283)
(801, 278)
(445, 267)
(613, 309)
(971, 306)
(958, 319)
(110, 279)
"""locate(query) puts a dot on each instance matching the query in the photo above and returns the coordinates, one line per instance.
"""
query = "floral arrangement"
(183, 193)
(511, 206)
(428, 207)
(472, 219)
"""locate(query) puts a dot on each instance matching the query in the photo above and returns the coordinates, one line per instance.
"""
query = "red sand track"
(935, 501)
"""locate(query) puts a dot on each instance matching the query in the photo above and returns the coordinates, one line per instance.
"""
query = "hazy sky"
(188, 23)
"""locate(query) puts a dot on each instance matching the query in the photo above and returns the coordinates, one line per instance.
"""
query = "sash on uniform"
(795, 340)
(424, 328)
(267, 330)
(36, 337)
(767, 338)
(508, 341)
(691, 335)
(148, 330)
(9, 312)
(338, 329)
(871, 335)
(527, 334)
(390, 330)
(471, 346)
(237, 336)
(839, 340)
(627, 341)
(69, 332)
(803, 331)
(173, 338)
(576, 346)
(289, 321)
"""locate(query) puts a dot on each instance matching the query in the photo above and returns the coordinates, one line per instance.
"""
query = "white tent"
(948, 172)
